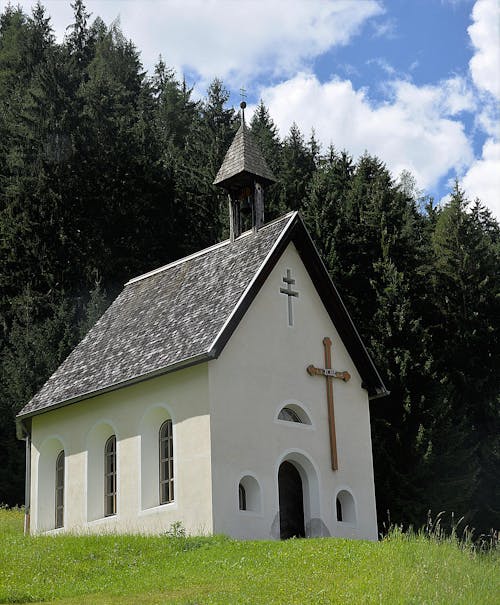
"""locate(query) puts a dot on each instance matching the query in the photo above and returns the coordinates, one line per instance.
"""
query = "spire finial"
(243, 95)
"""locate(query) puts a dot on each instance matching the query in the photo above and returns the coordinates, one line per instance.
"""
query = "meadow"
(403, 568)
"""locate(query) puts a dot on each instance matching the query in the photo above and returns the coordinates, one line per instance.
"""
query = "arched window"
(242, 497)
(289, 414)
(166, 463)
(49, 480)
(249, 494)
(339, 509)
(59, 499)
(294, 413)
(110, 477)
(346, 510)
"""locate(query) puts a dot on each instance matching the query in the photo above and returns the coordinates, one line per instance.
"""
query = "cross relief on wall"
(289, 281)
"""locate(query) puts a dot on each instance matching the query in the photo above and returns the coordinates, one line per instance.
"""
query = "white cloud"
(487, 119)
(485, 37)
(383, 64)
(446, 98)
(482, 180)
(245, 40)
(386, 28)
(413, 131)
(238, 41)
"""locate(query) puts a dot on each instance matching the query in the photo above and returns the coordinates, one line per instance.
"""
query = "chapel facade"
(228, 391)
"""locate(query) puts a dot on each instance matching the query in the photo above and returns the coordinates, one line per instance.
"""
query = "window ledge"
(144, 512)
(302, 425)
(250, 513)
(347, 524)
(102, 520)
(54, 531)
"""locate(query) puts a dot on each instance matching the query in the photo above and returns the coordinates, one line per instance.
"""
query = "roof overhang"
(181, 365)
(243, 179)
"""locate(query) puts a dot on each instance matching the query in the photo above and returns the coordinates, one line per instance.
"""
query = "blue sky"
(415, 82)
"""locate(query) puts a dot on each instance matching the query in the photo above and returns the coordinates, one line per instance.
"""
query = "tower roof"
(243, 159)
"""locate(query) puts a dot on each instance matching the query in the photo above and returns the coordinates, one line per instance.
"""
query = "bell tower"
(244, 174)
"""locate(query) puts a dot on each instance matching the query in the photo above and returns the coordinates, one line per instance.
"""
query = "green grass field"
(156, 570)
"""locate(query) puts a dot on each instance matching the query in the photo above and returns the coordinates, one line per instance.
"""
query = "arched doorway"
(291, 502)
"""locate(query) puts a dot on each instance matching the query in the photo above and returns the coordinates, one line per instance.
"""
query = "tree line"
(106, 172)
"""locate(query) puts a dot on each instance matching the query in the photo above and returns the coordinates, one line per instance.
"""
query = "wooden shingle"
(243, 157)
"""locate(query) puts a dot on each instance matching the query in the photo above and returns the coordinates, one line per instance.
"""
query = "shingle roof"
(185, 312)
(161, 319)
(243, 156)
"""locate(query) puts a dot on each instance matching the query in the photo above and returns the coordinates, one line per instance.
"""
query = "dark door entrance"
(291, 502)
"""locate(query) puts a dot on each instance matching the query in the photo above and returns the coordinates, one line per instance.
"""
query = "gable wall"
(262, 367)
(134, 414)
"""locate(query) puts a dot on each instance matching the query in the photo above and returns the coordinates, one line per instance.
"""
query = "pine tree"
(79, 40)
(297, 170)
(96, 305)
(466, 333)
(175, 110)
(325, 206)
(209, 139)
(266, 133)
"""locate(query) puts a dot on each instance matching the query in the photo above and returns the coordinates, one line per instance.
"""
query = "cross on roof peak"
(243, 104)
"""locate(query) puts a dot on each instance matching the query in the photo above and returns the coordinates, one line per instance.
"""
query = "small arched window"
(249, 494)
(60, 490)
(166, 463)
(110, 477)
(294, 413)
(242, 497)
(339, 509)
(289, 414)
(346, 510)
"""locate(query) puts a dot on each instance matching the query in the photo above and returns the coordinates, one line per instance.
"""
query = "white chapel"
(228, 391)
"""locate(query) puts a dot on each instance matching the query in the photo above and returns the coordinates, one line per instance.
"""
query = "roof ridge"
(199, 253)
(179, 261)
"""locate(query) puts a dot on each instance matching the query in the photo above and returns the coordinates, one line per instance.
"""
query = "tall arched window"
(166, 463)
(110, 477)
(60, 490)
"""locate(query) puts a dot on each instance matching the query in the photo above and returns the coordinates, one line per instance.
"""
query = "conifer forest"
(106, 172)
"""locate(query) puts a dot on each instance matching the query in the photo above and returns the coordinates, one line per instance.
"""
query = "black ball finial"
(243, 105)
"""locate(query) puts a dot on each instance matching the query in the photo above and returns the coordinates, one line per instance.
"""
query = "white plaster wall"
(263, 367)
(130, 413)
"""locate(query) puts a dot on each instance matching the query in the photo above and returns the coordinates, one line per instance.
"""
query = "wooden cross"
(330, 374)
(289, 281)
